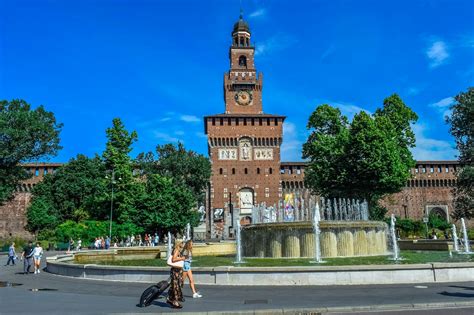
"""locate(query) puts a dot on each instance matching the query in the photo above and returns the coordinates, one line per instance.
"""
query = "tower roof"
(241, 25)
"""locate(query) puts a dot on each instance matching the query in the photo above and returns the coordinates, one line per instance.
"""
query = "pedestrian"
(97, 243)
(175, 294)
(157, 239)
(11, 254)
(102, 243)
(187, 273)
(107, 242)
(79, 245)
(37, 255)
(27, 255)
(132, 240)
(71, 245)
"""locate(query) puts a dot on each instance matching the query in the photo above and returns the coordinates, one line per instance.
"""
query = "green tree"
(462, 128)
(367, 158)
(185, 167)
(118, 163)
(68, 194)
(25, 134)
(168, 205)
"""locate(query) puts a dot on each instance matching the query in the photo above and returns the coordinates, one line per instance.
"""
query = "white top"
(38, 251)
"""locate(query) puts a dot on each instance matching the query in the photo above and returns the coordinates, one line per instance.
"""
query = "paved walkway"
(63, 295)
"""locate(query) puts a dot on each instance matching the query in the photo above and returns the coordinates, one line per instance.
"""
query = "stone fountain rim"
(323, 224)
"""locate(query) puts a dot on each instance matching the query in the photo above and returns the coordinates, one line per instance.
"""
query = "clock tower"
(242, 86)
(243, 143)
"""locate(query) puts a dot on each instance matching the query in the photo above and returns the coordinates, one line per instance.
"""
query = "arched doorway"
(438, 212)
(246, 201)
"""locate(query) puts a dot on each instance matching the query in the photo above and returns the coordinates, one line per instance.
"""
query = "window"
(270, 170)
(298, 170)
(423, 170)
(243, 61)
(260, 122)
(37, 171)
(258, 170)
(439, 169)
(246, 171)
(213, 121)
(276, 121)
(45, 171)
(268, 121)
(233, 171)
(416, 170)
(431, 169)
(447, 169)
(221, 121)
(225, 190)
(220, 171)
(282, 170)
(290, 170)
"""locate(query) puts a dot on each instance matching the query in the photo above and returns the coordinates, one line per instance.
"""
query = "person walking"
(175, 294)
(11, 254)
(37, 255)
(157, 239)
(107, 242)
(187, 273)
(27, 256)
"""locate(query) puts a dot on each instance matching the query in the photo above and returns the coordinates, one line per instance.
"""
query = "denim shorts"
(187, 265)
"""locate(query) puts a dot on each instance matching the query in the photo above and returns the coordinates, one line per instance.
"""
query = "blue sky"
(159, 65)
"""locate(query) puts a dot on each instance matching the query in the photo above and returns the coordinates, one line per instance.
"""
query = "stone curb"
(328, 310)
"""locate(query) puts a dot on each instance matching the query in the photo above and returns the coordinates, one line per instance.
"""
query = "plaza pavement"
(80, 296)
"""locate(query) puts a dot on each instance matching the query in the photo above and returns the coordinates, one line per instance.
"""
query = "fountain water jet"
(317, 232)
(238, 259)
(455, 239)
(394, 237)
(467, 248)
(170, 248)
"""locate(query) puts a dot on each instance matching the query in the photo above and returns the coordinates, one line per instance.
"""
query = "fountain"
(467, 248)
(238, 259)
(394, 237)
(188, 232)
(344, 230)
(455, 239)
(317, 232)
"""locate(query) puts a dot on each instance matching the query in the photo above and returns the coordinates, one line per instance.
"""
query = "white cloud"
(291, 147)
(258, 13)
(437, 53)
(165, 137)
(443, 106)
(179, 132)
(273, 44)
(190, 118)
(430, 148)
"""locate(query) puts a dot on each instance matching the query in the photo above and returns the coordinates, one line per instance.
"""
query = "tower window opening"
(268, 121)
(241, 41)
(213, 121)
(233, 171)
(260, 122)
(270, 170)
(221, 121)
(276, 122)
(243, 61)
(253, 122)
(258, 170)
(245, 121)
(246, 171)
(220, 171)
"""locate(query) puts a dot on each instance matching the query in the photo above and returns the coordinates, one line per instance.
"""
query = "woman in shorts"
(37, 254)
(188, 253)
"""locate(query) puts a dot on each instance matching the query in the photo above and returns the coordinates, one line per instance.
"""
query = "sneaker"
(39, 271)
(36, 271)
(197, 295)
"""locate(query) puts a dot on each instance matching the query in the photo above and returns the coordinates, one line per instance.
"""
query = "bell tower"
(242, 84)
(243, 144)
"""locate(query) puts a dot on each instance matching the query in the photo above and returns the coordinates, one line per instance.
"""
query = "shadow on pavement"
(461, 287)
(457, 294)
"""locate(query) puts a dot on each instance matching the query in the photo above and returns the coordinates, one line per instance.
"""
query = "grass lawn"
(408, 257)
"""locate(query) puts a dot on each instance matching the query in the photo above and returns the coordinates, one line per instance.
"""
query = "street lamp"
(112, 181)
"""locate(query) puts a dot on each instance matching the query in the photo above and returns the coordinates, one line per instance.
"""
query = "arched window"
(243, 61)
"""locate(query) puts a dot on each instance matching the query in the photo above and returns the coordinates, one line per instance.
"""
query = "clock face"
(243, 97)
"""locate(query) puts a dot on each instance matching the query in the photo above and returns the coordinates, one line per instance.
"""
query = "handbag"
(178, 264)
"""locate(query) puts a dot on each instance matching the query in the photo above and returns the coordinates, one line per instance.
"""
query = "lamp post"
(112, 181)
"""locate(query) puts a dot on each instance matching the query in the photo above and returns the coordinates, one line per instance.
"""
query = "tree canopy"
(462, 128)
(366, 158)
(26, 134)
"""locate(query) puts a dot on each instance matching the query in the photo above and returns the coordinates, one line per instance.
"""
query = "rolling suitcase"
(153, 292)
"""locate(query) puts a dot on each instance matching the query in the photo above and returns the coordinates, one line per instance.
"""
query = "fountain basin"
(296, 239)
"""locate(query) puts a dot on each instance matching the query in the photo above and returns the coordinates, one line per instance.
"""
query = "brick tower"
(243, 143)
